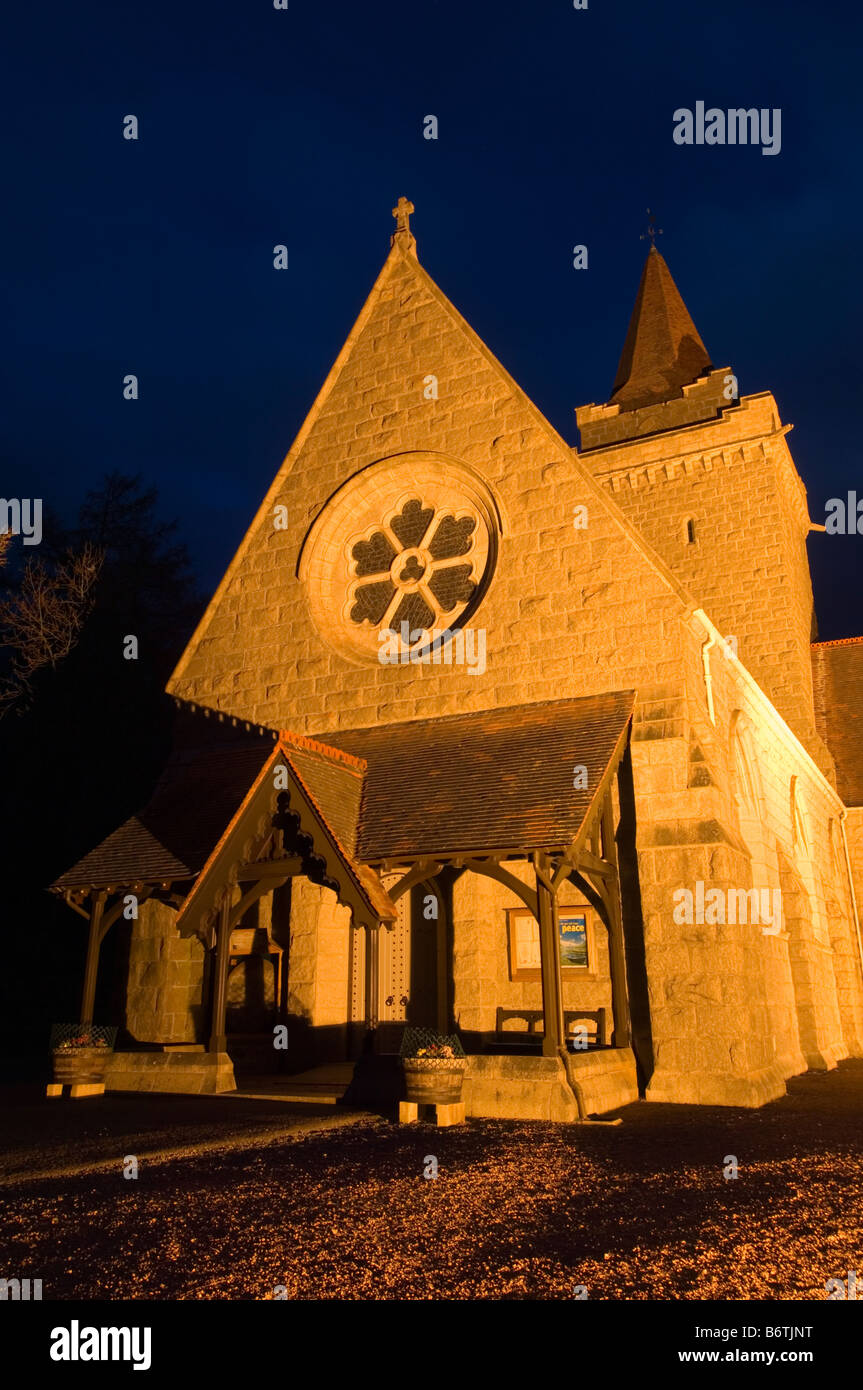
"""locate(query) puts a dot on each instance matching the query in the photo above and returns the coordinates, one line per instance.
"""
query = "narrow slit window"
(690, 531)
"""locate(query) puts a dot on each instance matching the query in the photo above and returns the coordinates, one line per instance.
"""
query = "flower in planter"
(422, 1044)
(80, 1036)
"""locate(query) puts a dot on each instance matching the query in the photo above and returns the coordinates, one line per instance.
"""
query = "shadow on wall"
(313, 1047)
(811, 972)
(251, 995)
(633, 926)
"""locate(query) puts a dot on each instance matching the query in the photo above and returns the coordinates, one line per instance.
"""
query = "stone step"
(323, 1085)
(297, 1096)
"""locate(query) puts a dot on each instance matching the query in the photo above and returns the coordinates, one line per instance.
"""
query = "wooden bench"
(534, 1020)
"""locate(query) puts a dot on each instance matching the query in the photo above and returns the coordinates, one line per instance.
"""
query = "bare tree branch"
(42, 620)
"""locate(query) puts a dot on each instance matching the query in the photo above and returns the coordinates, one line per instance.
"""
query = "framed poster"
(572, 924)
(523, 932)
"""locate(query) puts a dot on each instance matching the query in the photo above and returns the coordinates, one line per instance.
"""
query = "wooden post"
(616, 951)
(549, 960)
(372, 976)
(218, 1037)
(442, 1002)
(91, 970)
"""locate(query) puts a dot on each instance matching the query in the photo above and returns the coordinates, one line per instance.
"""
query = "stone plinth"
(537, 1088)
(187, 1073)
(606, 1079)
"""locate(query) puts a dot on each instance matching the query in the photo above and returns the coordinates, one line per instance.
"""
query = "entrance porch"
(339, 904)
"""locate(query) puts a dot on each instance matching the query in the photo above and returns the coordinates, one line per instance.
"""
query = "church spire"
(663, 351)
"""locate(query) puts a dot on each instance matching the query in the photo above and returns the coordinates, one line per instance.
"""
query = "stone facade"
(482, 967)
(568, 611)
(732, 993)
(592, 580)
(164, 999)
(735, 481)
(321, 978)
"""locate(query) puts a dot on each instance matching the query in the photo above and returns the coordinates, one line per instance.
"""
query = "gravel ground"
(52, 1136)
(519, 1210)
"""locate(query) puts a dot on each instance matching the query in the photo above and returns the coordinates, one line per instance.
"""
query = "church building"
(492, 735)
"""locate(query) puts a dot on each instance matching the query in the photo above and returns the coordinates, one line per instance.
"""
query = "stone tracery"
(411, 569)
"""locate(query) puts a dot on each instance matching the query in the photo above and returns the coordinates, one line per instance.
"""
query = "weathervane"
(652, 230)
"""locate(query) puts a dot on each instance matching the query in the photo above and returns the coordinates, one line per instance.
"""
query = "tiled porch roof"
(170, 840)
(466, 783)
(493, 780)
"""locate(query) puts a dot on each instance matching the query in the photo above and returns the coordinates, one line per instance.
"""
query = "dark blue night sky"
(303, 126)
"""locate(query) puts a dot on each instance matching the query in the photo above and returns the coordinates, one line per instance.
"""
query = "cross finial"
(652, 230)
(402, 213)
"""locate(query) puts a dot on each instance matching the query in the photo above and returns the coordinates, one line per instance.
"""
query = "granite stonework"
(550, 1088)
(182, 1072)
(482, 966)
(164, 999)
(668, 557)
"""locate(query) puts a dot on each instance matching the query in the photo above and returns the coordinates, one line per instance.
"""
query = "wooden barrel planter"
(80, 1053)
(434, 1080)
(80, 1066)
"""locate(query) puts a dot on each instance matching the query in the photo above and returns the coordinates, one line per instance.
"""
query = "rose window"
(412, 569)
(407, 546)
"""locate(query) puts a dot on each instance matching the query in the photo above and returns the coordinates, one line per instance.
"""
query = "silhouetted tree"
(84, 753)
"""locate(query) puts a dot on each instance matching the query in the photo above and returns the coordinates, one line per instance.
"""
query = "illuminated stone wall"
(166, 972)
(567, 612)
(482, 976)
(747, 566)
(576, 603)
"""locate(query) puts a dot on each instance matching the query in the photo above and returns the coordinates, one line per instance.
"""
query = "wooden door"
(409, 971)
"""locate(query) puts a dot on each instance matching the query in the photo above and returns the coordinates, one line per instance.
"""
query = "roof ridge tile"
(314, 745)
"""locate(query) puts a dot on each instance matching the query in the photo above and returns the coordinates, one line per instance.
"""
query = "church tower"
(707, 477)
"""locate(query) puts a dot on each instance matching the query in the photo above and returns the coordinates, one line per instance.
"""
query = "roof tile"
(493, 780)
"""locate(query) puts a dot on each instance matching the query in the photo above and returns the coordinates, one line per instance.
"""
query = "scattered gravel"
(518, 1210)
